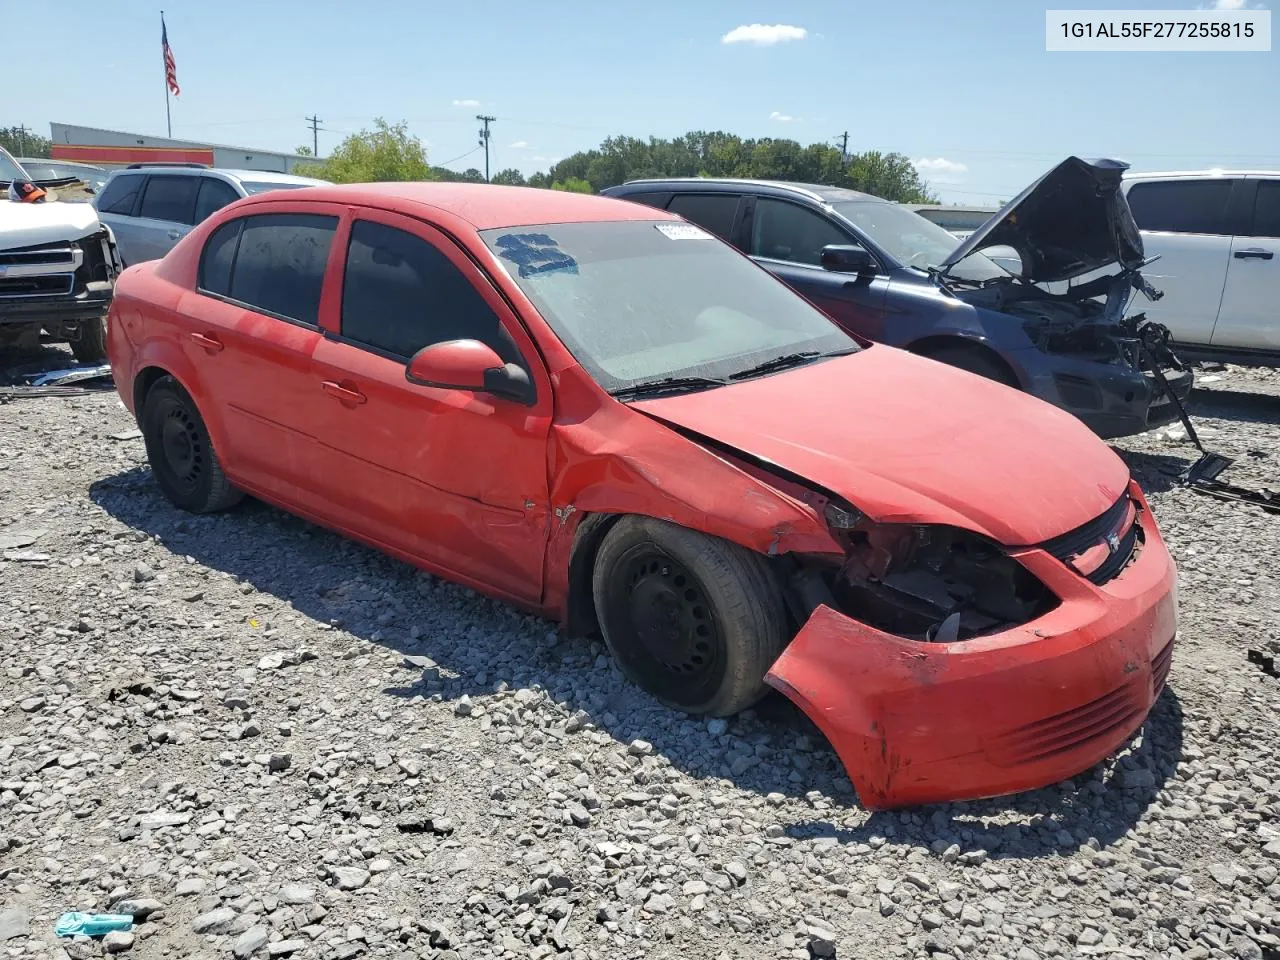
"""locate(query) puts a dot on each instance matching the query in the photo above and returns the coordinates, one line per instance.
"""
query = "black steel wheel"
(180, 452)
(692, 619)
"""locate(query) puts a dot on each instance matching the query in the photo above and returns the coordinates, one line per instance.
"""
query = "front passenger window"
(788, 231)
(401, 294)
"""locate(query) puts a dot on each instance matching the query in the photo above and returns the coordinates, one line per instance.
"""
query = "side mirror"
(842, 258)
(469, 365)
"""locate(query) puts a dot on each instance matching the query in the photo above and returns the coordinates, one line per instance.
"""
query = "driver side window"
(401, 294)
(787, 231)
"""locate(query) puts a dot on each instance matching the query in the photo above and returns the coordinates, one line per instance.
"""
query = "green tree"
(572, 185)
(24, 144)
(387, 152)
(720, 154)
(510, 177)
(540, 180)
(303, 151)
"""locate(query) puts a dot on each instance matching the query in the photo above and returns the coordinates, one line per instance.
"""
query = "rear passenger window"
(213, 196)
(1181, 206)
(279, 267)
(169, 198)
(1266, 210)
(714, 212)
(120, 194)
(401, 294)
(218, 256)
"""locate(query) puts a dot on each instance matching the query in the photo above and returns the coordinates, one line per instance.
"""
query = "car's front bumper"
(1114, 400)
(920, 722)
(90, 303)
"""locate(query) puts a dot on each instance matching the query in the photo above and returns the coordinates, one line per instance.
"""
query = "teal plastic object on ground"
(91, 924)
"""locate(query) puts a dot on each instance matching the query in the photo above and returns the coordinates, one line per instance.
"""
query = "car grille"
(47, 270)
(1112, 713)
(1160, 665)
(1101, 549)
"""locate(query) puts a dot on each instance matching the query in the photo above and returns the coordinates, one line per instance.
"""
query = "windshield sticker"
(682, 231)
(534, 254)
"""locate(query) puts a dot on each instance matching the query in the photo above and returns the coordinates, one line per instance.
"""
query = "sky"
(966, 90)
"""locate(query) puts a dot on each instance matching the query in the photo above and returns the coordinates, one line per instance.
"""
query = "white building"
(115, 148)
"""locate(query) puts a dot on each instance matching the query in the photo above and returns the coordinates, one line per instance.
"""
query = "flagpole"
(168, 122)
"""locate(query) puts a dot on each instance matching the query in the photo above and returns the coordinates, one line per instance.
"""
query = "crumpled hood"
(908, 439)
(29, 224)
(1073, 220)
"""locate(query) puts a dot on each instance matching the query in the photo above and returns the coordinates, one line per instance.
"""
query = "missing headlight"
(932, 583)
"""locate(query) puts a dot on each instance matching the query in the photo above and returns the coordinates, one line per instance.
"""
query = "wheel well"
(927, 345)
(581, 619)
(141, 384)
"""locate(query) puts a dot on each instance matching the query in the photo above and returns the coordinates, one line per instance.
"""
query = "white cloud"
(782, 117)
(764, 35)
(940, 169)
(520, 145)
(1231, 5)
(466, 103)
(546, 159)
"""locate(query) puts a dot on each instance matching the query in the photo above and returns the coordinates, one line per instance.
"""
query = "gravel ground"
(270, 742)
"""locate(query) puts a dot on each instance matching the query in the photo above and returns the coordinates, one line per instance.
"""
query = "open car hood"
(907, 439)
(29, 224)
(1073, 220)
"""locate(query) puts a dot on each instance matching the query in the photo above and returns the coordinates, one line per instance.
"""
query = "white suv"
(150, 207)
(1217, 234)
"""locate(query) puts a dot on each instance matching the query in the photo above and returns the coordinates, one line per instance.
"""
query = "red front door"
(455, 478)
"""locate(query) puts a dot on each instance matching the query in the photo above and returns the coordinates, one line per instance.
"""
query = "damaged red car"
(602, 413)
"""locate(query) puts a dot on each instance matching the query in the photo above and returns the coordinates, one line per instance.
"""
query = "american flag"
(170, 68)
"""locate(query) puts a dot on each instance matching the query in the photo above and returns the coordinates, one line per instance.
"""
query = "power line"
(315, 134)
(484, 140)
(460, 157)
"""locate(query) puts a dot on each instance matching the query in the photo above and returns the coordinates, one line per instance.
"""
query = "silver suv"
(150, 207)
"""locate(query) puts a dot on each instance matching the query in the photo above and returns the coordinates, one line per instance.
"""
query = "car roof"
(1215, 172)
(58, 163)
(259, 176)
(485, 206)
(821, 192)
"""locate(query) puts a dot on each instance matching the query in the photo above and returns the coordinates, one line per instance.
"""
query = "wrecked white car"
(58, 267)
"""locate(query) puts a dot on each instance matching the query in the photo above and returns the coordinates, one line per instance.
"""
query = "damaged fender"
(917, 723)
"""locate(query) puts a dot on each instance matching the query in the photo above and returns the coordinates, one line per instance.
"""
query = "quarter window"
(169, 198)
(218, 258)
(401, 294)
(120, 195)
(280, 263)
(788, 231)
(1181, 206)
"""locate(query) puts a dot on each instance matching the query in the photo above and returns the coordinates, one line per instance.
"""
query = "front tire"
(694, 620)
(91, 345)
(181, 454)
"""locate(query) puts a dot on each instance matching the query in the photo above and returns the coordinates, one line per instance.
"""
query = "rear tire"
(975, 360)
(91, 346)
(181, 454)
(694, 620)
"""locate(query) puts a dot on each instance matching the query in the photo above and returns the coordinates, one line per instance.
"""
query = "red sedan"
(599, 412)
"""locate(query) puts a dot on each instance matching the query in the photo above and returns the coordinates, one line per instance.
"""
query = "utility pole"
(484, 141)
(22, 140)
(844, 148)
(315, 134)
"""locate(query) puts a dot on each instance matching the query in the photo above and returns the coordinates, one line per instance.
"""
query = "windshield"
(638, 301)
(911, 239)
(9, 169)
(262, 186)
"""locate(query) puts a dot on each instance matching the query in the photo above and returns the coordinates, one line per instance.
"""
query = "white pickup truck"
(1217, 234)
(58, 265)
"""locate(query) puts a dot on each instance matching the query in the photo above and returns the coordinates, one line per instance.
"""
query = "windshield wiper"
(652, 388)
(785, 361)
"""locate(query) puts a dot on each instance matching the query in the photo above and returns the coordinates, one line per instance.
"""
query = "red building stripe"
(88, 153)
